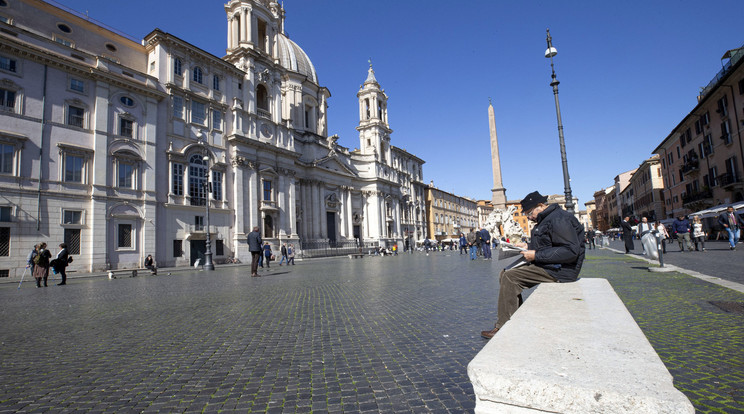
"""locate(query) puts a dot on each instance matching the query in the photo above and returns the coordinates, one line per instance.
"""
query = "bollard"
(658, 248)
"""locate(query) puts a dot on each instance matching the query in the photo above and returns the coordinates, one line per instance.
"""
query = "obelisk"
(498, 193)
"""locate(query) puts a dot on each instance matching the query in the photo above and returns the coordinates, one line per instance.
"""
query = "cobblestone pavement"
(716, 260)
(379, 334)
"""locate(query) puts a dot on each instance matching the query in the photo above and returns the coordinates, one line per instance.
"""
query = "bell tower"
(253, 25)
(374, 131)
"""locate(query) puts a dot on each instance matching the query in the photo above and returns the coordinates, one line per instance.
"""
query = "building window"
(72, 217)
(198, 223)
(262, 100)
(177, 67)
(216, 119)
(219, 248)
(75, 116)
(77, 85)
(177, 248)
(723, 106)
(267, 190)
(7, 100)
(216, 185)
(216, 82)
(7, 158)
(177, 187)
(706, 147)
(198, 75)
(73, 168)
(124, 239)
(4, 241)
(726, 132)
(63, 41)
(72, 239)
(126, 175)
(198, 112)
(126, 127)
(177, 107)
(5, 213)
(126, 101)
(262, 38)
(197, 179)
(8, 64)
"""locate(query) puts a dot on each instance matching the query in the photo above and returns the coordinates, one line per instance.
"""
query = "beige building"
(623, 194)
(701, 159)
(447, 214)
(591, 214)
(484, 207)
(601, 215)
(519, 216)
(648, 187)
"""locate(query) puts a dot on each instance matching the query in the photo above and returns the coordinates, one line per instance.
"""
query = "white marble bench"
(573, 348)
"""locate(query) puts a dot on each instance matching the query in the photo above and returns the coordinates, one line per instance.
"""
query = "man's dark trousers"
(254, 262)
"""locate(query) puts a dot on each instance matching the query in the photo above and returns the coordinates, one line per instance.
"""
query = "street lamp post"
(549, 53)
(208, 265)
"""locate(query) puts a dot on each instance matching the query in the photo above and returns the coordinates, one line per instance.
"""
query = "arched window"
(366, 108)
(262, 100)
(198, 75)
(197, 180)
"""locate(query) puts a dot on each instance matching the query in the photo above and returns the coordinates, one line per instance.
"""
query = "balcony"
(728, 180)
(263, 113)
(690, 167)
(698, 196)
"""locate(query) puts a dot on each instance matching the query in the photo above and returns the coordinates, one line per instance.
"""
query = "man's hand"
(529, 255)
(521, 245)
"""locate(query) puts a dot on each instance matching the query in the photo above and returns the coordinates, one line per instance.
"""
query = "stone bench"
(126, 272)
(573, 348)
(356, 255)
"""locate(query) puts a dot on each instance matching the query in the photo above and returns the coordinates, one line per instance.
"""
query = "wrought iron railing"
(700, 195)
(327, 248)
(728, 179)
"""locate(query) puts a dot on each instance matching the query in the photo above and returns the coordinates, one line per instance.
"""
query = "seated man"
(150, 264)
(555, 254)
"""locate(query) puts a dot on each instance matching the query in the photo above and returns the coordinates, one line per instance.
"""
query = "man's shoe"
(489, 334)
(61, 284)
(255, 275)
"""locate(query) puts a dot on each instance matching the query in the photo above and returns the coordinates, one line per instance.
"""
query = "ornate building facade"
(117, 146)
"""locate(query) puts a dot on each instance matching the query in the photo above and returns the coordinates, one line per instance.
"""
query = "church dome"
(293, 58)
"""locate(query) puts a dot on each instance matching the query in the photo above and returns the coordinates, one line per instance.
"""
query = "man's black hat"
(532, 200)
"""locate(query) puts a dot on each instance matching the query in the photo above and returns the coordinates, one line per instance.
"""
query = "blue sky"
(629, 72)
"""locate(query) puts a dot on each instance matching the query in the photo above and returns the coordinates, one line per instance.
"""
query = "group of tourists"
(40, 261)
(477, 243)
(261, 252)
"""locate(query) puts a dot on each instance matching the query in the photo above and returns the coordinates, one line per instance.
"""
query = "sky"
(629, 72)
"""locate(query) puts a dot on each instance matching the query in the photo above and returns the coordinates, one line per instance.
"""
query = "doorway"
(198, 249)
(331, 227)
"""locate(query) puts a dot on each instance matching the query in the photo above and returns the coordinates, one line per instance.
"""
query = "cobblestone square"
(378, 334)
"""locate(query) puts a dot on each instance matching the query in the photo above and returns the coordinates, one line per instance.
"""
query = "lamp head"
(550, 52)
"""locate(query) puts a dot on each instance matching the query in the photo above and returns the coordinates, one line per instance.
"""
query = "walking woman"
(267, 254)
(41, 264)
(698, 236)
(663, 235)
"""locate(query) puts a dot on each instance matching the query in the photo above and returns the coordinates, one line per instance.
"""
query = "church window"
(262, 101)
(177, 67)
(198, 75)
(379, 112)
(262, 39)
(178, 107)
(177, 178)
(197, 180)
(267, 190)
(216, 185)
(198, 112)
(216, 82)
(366, 108)
(7, 100)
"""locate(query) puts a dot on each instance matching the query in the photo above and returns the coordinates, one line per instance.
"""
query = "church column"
(367, 217)
(316, 210)
(253, 214)
(229, 32)
(282, 205)
(245, 19)
(238, 194)
(349, 215)
(292, 205)
(396, 217)
(341, 208)
(323, 217)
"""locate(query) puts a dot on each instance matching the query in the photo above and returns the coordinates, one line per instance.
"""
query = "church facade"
(117, 146)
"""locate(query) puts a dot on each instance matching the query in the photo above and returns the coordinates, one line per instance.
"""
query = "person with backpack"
(291, 254)
(41, 264)
(60, 263)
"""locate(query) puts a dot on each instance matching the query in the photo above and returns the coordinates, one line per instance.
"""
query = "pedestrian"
(681, 229)
(150, 264)
(283, 251)
(485, 243)
(59, 264)
(30, 258)
(627, 234)
(644, 228)
(663, 235)
(698, 235)
(41, 264)
(463, 244)
(555, 254)
(291, 254)
(254, 246)
(732, 223)
(268, 257)
(590, 239)
(471, 238)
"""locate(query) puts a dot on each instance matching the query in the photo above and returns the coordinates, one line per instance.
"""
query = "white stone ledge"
(573, 348)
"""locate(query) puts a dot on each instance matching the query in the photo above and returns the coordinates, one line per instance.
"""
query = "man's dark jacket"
(681, 226)
(724, 219)
(254, 242)
(485, 236)
(558, 241)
